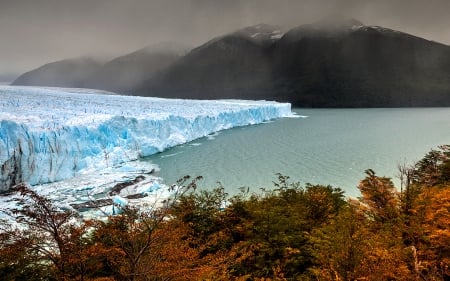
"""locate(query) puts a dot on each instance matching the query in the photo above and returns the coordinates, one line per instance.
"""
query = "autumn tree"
(136, 244)
(274, 229)
(17, 262)
(340, 246)
(434, 167)
(433, 245)
(380, 197)
(388, 257)
(48, 233)
(290, 232)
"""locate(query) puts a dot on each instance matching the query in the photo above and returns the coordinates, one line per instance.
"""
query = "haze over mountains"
(324, 64)
(124, 73)
(64, 73)
(121, 74)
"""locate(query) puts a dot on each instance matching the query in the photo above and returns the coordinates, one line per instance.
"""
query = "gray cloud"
(34, 32)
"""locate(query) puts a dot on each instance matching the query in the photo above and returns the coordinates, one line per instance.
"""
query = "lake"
(330, 146)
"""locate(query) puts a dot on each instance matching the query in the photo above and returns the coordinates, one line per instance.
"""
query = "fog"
(37, 32)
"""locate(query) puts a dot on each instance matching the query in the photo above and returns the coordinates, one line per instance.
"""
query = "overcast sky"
(34, 32)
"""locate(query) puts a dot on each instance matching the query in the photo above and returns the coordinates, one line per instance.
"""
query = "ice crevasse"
(51, 134)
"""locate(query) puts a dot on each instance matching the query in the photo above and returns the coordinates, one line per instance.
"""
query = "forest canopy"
(288, 232)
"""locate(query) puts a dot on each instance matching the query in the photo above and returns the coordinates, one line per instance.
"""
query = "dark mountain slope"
(126, 72)
(236, 65)
(64, 73)
(361, 66)
(326, 64)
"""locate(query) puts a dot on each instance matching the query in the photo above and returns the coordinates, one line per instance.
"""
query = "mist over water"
(331, 146)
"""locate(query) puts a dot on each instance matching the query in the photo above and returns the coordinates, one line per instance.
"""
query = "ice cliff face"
(51, 134)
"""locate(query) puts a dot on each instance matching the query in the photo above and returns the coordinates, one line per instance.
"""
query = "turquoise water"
(330, 146)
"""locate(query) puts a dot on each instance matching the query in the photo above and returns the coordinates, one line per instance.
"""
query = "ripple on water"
(331, 146)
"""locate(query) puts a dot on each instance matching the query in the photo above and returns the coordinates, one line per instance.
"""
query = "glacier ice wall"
(51, 134)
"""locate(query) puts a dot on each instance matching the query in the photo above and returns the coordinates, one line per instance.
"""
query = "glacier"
(53, 134)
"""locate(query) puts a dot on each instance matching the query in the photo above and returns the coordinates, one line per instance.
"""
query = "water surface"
(331, 146)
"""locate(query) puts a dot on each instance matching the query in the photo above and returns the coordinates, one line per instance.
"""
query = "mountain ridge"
(328, 63)
(120, 74)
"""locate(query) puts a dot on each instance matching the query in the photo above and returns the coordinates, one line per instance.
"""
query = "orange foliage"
(289, 234)
(434, 252)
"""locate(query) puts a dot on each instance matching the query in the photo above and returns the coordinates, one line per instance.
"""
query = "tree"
(203, 211)
(386, 257)
(380, 197)
(434, 167)
(133, 243)
(277, 229)
(340, 246)
(17, 262)
(434, 245)
(48, 233)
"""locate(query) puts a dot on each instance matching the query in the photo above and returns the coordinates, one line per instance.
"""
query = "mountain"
(64, 73)
(235, 65)
(123, 73)
(330, 63)
(353, 65)
(324, 64)
(120, 75)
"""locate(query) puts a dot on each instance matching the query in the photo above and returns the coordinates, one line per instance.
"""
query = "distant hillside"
(120, 75)
(64, 73)
(326, 64)
(124, 73)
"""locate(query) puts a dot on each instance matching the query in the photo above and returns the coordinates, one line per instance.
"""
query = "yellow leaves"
(439, 207)
(382, 263)
(434, 207)
(291, 251)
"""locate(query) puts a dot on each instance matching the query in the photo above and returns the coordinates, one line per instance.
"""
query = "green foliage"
(434, 167)
(339, 246)
(17, 262)
(202, 210)
(380, 196)
(270, 231)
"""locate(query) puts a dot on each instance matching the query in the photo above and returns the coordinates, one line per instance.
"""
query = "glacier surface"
(52, 134)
